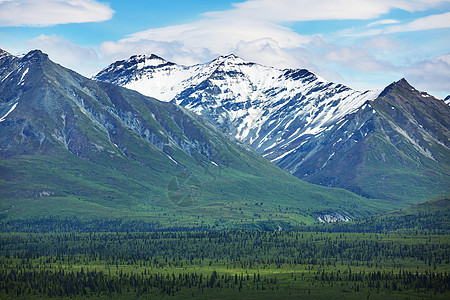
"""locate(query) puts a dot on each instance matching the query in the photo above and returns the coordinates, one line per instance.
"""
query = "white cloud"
(174, 51)
(362, 67)
(357, 58)
(308, 10)
(65, 53)
(383, 22)
(208, 38)
(222, 33)
(269, 52)
(52, 12)
(425, 23)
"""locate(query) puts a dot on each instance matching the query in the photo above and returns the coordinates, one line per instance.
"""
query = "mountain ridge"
(207, 79)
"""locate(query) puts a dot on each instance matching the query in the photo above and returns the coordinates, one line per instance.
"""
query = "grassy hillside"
(67, 187)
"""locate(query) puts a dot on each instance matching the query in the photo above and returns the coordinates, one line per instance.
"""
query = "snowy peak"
(320, 131)
(228, 60)
(143, 61)
(132, 69)
(230, 57)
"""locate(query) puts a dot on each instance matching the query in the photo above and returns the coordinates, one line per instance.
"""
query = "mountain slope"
(70, 146)
(395, 147)
(319, 131)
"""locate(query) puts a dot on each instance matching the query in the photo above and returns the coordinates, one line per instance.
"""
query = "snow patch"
(9, 111)
(283, 155)
(342, 124)
(21, 82)
(170, 157)
(339, 140)
(4, 78)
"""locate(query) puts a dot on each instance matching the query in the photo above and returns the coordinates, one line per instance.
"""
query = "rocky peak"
(36, 55)
(230, 57)
(402, 84)
(4, 53)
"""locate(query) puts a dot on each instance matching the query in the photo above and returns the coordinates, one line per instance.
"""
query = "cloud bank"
(312, 10)
(210, 37)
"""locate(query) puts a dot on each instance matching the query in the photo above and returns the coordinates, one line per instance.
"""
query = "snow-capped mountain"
(317, 130)
(275, 111)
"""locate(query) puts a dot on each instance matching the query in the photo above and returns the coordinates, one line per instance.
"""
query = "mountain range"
(391, 143)
(74, 147)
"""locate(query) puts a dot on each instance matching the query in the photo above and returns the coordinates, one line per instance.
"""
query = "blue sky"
(364, 44)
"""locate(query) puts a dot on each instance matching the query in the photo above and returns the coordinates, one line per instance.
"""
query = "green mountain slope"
(73, 147)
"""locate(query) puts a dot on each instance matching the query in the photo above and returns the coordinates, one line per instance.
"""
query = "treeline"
(237, 248)
(62, 283)
(421, 223)
(430, 217)
(56, 225)
(388, 280)
(21, 281)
